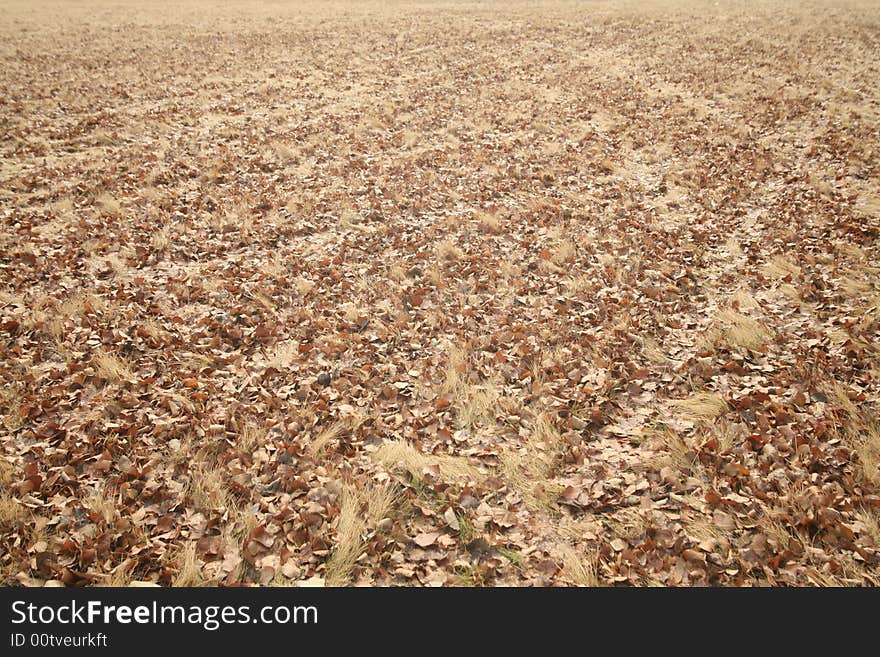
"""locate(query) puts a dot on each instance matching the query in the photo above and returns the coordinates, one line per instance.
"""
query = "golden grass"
(359, 510)
(349, 529)
(579, 569)
(699, 529)
(6, 474)
(353, 313)
(161, 239)
(319, 444)
(77, 304)
(676, 454)
(303, 285)
(859, 429)
(652, 350)
(110, 368)
(352, 221)
(855, 287)
(510, 271)
(628, 523)
(699, 407)
(579, 284)
(10, 403)
(870, 519)
(447, 250)
(779, 266)
(284, 152)
(435, 277)
(120, 576)
(743, 300)
(10, 509)
(400, 455)
(156, 330)
(563, 253)
(109, 204)
(397, 273)
(456, 371)
(190, 568)
(98, 502)
(728, 435)
(851, 251)
(251, 436)
(529, 469)
(267, 304)
(488, 221)
(477, 405)
(207, 488)
(734, 329)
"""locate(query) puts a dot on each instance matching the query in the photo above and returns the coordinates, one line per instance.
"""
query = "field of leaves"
(439, 293)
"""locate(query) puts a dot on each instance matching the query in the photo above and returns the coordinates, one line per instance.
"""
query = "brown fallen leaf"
(451, 519)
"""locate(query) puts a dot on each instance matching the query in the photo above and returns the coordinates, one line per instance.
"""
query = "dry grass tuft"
(676, 454)
(10, 402)
(352, 221)
(120, 576)
(734, 329)
(161, 239)
(303, 285)
(577, 569)
(10, 510)
(700, 529)
(397, 273)
(652, 350)
(207, 488)
(742, 330)
(855, 287)
(359, 510)
(398, 454)
(190, 569)
(579, 284)
(284, 152)
(743, 300)
(319, 444)
(251, 436)
(435, 277)
(528, 470)
(859, 429)
(109, 205)
(780, 267)
(728, 435)
(563, 253)
(6, 474)
(477, 405)
(870, 519)
(349, 538)
(488, 221)
(447, 250)
(98, 502)
(456, 372)
(628, 523)
(700, 407)
(110, 368)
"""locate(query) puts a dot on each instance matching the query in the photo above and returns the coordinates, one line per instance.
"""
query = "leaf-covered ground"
(440, 293)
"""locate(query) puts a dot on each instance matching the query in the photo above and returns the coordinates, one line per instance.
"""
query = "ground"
(439, 293)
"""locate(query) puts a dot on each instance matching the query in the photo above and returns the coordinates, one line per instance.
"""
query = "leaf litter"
(571, 296)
